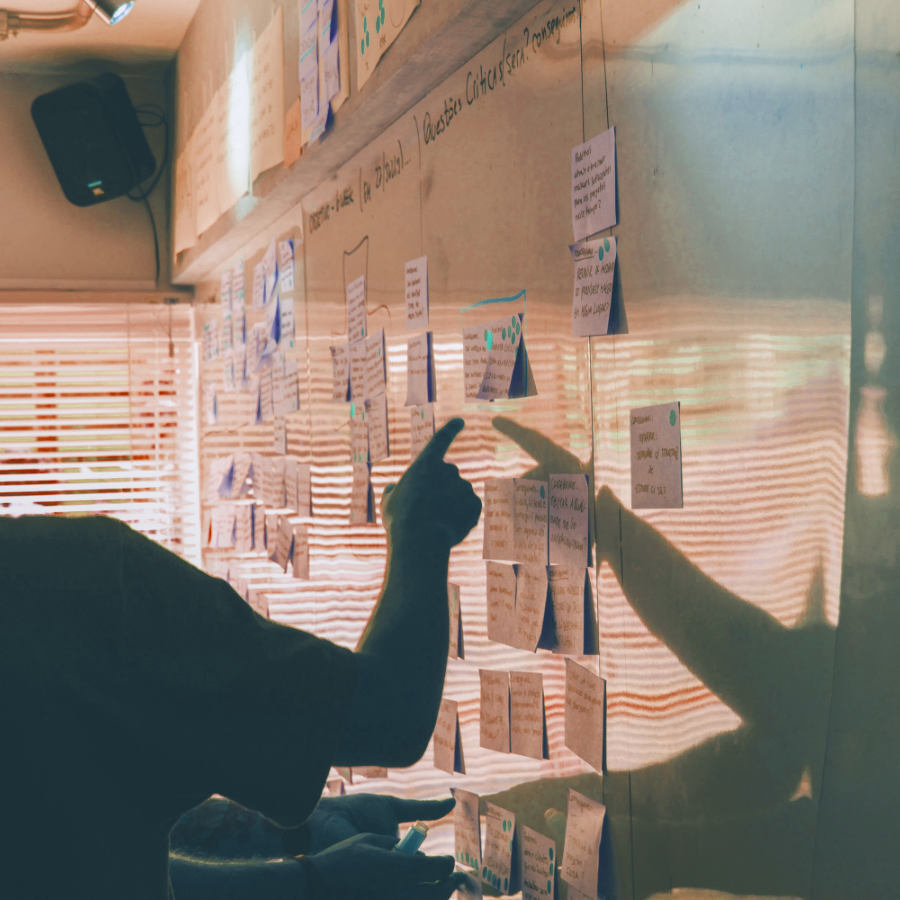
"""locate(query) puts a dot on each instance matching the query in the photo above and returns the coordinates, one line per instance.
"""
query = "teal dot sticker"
(542, 492)
(549, 887)
(504, 334)
(484, 871)
(671, 416)
(362, 332)
(600, 253)
(377, 24)
(550, 852)
(489, 339)
(606, 243)
(551, 868)
(518, 326)
(422, 414)
(352, 410)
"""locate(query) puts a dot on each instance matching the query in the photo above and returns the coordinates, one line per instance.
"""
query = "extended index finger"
(443, 438)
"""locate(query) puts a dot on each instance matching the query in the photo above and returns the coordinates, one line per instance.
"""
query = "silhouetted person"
(133, 686)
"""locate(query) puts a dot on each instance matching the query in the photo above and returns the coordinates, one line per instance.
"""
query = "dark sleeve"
(229, 702)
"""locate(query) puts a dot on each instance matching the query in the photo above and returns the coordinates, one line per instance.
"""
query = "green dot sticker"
(422, 414)
(600, 253)
(518, 325)
(362, 332)
(549, 887)
(543, 492)
(550, 852)
(352, 410)
(484, 871)
(606, 243)
(504, 334)
(489, 339)
(671, 416)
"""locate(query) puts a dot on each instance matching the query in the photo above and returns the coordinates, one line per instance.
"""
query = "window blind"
(98, 416)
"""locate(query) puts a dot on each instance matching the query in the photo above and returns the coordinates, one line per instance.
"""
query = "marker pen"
(412, 840)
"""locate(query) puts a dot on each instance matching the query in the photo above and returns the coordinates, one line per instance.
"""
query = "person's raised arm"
(402, 654)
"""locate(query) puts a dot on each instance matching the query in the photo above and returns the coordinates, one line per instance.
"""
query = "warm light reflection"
(874, 444)
(238, 156)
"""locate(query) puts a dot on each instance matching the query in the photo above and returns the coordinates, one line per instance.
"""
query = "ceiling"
(146, 38)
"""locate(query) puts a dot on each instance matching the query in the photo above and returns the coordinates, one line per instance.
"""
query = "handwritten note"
(530, 521)
(503, 338)
(531, 606)
(448, 752)
(359, 434)
(501, 602)
(356, 309)
(538, 865)
(340, 369)
(499, 516)
(573, 616)
(377, 421)
(595, 267)
(416, 279)
(594, 185)
(584, 831)
(585, 714)
(466, 828)
(300, 555)
(568, 525)
(494, 718)
(358, 368)
(420, 370)
(656, 457)
(286, 265)
(499, 849)
(457, 648)
(421, 427)
(292, 134)
(267, 98)
(474, 359)
(527, 722)
(375, 371)
(362, 504)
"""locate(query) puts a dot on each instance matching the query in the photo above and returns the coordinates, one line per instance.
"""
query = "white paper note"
(569, 597)
(499, 519)
(416, 279)
(531, 604)
(421, 425)
(494, 717)
(358, 369)
(457, 645)
(595, 267)
(466, 829)
(568, 522)
(527, 724)
(376, 365)
(448, 755)
(584, 831)
(594, 185)
(377, 420)
(499, 843)
(420, 370)
(530, 521)
(656, 457)
(585, 713)
(340, 369)
(538, 865)
(356, 309)
(503, 338)
(501, 602)
(474, 359)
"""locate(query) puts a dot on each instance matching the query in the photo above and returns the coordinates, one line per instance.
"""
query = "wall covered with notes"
(604, 242)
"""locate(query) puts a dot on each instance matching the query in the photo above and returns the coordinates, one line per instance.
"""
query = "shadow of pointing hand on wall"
(737, 812)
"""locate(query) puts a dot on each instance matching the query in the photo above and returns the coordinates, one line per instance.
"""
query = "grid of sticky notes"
(512, 856)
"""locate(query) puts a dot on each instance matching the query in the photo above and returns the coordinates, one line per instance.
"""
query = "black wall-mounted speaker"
(96, 145)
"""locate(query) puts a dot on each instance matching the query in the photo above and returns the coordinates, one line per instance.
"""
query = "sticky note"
(527, 720)
(595, 267)
(500, 849)
(568, 520)
(585, 710)
(530, 505)
(656, 457)
(574, 619)
(362, 505)
(594, 185)
(457, 648)
(419, 370)
(377, 422)
(448, 752)
(466, 829)
(300, 555)
(498, 517)
(340, 372)
(286, 265)
(531, 606)
(538, 865)
(503, 338)
(584, 831)
(358, 370)
(415, 273)
(421, 427)
(356, 309)
(494, 715)
(501, 602)
(375, 366)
